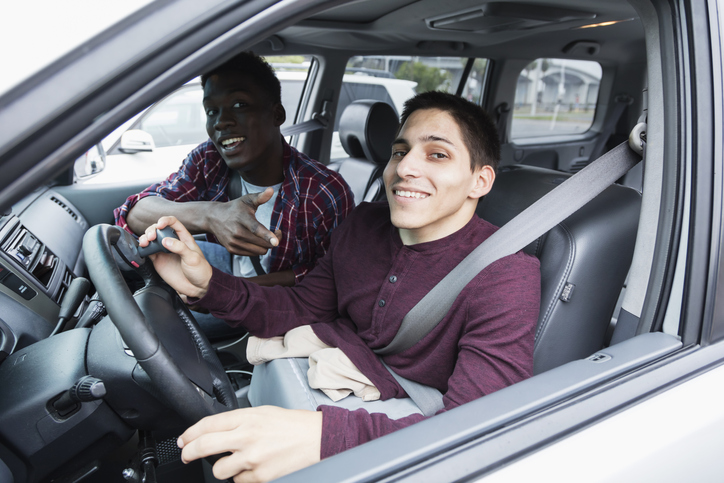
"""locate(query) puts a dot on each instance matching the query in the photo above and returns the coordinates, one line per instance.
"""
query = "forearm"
(193, 214)
(285, 278)
(263, 311)
(343, 429)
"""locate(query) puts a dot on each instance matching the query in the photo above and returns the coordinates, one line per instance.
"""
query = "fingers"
(213, 444)
(265, 442)
(210, 424)
(181, 231)
(261, 198)
(254, 200)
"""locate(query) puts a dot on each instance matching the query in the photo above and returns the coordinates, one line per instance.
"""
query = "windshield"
(44, 39)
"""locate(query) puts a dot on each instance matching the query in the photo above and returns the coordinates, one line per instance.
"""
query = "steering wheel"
(157, 327)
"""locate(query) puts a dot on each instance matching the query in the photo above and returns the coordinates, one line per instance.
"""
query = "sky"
(33, 33)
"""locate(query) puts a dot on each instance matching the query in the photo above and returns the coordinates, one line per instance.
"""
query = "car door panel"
(568, 156)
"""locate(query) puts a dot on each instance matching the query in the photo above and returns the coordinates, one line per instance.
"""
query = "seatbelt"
(534, 221)
(622, 101)
(302, 127)
(318, 121)
(502, 111)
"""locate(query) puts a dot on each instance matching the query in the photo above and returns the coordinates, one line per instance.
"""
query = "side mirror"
(91, 162)
(136, 141)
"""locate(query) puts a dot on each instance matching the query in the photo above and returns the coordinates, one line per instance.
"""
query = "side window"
(177, 120)
(292, 71)
(395, 78)
(555, 97)
(167, 131)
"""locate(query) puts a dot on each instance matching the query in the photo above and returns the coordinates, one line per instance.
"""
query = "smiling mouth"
(410, 194)
(231, 143)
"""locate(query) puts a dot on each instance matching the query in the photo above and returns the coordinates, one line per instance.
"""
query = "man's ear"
(484, 179)
(280, 114)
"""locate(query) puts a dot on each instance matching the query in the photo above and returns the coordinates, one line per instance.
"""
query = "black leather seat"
(366, 130)
(584, 260)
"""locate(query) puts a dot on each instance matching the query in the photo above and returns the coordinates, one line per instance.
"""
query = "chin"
(405, 221)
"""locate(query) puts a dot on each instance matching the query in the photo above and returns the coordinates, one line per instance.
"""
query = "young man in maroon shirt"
(381, 262)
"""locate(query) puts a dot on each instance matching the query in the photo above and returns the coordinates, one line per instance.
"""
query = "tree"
(427, 78)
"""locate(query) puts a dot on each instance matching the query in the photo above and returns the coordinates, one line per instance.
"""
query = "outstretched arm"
(233, 223)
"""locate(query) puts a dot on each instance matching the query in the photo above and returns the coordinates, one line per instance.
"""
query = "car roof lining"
(406, 30)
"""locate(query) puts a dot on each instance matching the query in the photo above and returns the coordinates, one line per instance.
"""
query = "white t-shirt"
(242, 265)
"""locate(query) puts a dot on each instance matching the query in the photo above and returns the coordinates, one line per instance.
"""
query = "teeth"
(411, 194)
(227, 142)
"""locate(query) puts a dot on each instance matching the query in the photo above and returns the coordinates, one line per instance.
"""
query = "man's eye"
(398, 154)
(438, 155)
(239, 105)
(210, 112)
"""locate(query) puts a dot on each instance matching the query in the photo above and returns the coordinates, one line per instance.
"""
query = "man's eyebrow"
(433, 138)
(400, 141)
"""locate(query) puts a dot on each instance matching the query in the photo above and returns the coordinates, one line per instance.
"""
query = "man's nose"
(223, 120)
(409, 165)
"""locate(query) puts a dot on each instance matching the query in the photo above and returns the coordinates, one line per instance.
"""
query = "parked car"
(641, 404)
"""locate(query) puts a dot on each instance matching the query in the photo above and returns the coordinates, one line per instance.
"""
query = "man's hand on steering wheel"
(235, 225)
(185, 269)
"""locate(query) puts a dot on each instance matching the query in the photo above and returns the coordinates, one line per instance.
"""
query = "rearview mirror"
(136, 141)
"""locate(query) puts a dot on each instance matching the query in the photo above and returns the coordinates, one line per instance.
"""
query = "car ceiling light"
(603, 24)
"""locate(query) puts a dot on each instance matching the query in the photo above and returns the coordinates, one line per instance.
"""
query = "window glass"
(177, 120)
(395, 78)
(554, 97)
(475, 84)
(291, 70)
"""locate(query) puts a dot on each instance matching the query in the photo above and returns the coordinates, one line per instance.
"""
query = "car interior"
(611, 287)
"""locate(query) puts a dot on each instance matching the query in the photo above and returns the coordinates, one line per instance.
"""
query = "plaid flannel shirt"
(312, 201)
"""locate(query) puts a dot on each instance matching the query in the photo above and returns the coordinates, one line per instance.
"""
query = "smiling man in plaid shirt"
(244, 179)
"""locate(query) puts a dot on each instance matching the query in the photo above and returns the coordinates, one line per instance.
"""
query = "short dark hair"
(256, 68)
(477, 128)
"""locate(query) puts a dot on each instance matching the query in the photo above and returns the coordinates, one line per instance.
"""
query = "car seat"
(584, 260)
(366, 131)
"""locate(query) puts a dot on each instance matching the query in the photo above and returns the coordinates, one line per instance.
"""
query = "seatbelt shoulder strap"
(534, 221)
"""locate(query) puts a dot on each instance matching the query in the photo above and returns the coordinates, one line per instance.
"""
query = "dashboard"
(40, 255)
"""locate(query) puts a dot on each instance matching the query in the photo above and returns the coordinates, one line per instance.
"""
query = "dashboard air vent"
(68, 210)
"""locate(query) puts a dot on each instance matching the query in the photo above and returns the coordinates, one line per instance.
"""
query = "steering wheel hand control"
(129, 255)
(157, 245)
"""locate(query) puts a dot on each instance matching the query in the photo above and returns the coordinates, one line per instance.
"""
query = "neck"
(438, 230)
(270, 170)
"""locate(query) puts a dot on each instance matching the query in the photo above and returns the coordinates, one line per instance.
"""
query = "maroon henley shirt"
(357, 296)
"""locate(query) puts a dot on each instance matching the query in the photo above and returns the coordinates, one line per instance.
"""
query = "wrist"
(201, 293)
(208, 219)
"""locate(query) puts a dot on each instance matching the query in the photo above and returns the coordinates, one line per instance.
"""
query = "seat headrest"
(367, 129)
